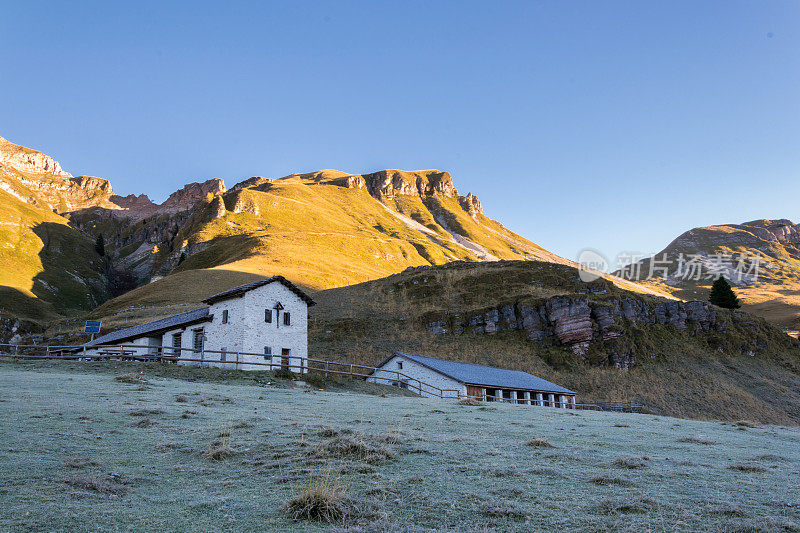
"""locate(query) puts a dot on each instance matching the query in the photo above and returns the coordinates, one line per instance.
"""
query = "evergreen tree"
(100, 245)
(722, 295)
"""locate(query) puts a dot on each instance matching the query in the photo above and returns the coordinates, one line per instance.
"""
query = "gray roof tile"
(487, 376)
(174, 321)
(241, 289)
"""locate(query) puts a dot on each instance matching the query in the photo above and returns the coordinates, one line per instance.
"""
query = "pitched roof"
(487, 376)
(241, 289)
(164, 324)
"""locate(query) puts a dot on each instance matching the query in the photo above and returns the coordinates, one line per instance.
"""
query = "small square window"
(268, 316)
(400, 365)
(287, 319)
(223, 356)
(225, 316)
(268, 353)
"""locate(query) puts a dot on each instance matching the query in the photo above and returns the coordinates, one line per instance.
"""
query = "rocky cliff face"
(582, 324)
(27, 160)
(190, 194)
(423, 183)
(471, 205)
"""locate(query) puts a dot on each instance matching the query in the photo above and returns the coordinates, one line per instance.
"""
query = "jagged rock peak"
(190, 194)
(418, 183)
(471, 205)
(28, 160)
(783, 230)
(133, 201)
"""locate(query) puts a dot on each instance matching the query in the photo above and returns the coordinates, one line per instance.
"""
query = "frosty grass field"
(83, 450)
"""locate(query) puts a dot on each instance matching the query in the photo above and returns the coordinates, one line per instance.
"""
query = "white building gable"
(262, 322)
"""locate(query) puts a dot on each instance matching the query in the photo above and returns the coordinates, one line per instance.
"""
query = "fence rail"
(223, 359)
(239, 360)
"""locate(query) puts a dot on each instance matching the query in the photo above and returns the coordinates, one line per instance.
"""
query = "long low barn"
(458, 380)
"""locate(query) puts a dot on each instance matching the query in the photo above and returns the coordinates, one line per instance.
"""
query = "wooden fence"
(175, 355)
(223, 359)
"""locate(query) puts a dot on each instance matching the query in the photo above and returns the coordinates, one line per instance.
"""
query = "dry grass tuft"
(392, 437)
(634, 505)
(99, 485)
(696, 440)
(324, 500)
(221, 447)
(354, 446)
(503, 509)
(539, 442)
(745, 424)
(181, 398)
(132, 377)
(748, 468)
(606, 480)
(630, 462)
(771, 457)
(144, 423)
(145, 412)
(470, 401)
(328, 432)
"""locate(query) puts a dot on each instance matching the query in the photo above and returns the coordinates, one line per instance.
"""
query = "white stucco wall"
(245, 335)
(415, 371)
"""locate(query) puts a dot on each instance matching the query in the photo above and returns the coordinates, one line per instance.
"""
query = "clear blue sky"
(613, 125)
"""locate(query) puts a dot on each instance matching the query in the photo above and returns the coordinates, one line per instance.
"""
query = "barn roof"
(241, 289)
(487, 376)
(161, 325)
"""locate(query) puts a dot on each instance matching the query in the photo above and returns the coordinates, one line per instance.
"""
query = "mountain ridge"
(761, 258)
(322, 229)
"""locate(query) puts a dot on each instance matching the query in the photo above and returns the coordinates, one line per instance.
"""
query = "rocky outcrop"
(29, 161)
(38, 179)
(783, 230)
(134, 202)
(580, 323)
(471, 205)
(190, 194)
(217, 207)
(388, 183)
(242, 201)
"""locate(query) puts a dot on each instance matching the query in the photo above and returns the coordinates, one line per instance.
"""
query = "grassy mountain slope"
(743, 368)
(319, 230)
(46, 266)
(774, 295)
(314, 229)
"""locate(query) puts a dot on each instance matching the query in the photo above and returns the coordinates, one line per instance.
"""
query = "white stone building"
(432, 377)
(258, 326)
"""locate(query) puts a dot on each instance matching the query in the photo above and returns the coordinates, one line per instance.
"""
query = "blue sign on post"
(92, 326)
